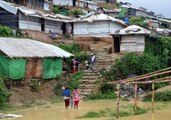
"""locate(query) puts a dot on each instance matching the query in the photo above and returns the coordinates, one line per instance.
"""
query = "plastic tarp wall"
(12, 68)
(52, 67)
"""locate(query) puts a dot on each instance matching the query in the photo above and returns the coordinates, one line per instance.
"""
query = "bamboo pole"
(152, 99)
(166, 79)
(141, 77)
(135, 98)
(118, 100)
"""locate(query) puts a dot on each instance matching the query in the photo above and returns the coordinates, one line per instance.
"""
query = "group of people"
(89, 64)
(71, 98)
(74, 65)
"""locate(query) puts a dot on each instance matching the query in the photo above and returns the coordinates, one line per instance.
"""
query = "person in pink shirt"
(76, 98)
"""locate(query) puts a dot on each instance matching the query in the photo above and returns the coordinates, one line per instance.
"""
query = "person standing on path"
(92, 61)
(76, 98)
(66, 94)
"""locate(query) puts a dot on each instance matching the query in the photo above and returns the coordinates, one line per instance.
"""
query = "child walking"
(72, 100)
(76, 98)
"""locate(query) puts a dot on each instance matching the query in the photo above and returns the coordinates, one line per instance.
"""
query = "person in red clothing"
(76, 98)
(73, 66)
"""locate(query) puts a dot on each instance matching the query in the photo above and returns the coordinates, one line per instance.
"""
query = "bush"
(4, 94)
(6, 31)
(77, 12)
(56, 9)
(60, 10)
(136, 64)
(72, 48)
(74, 81)
(109, 95)
(159, 96)
(81, 56)
(136, 20)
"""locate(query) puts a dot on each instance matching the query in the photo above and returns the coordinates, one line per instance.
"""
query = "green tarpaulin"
(52, 67)
(17, 68)
(12, 68)
(123, 12)
(4, 66)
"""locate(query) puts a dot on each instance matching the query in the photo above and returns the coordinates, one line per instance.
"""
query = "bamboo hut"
(130, 39)
(28, 59)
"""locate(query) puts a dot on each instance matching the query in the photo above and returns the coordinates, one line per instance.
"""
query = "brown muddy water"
(58, 112)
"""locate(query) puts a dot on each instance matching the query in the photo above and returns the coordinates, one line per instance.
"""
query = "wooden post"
(135, 98)
(152, 99)
(118, 100)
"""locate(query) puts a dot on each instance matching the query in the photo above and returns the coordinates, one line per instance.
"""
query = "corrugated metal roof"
(16, 47)
(13, 8)
(7, 6)
(133, 29)
(98, 17)
(90, 2)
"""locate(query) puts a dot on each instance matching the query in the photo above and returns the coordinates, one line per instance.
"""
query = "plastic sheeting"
(52, 67)
(12, 68)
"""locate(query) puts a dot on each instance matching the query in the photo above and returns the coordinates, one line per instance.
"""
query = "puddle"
(58, 112)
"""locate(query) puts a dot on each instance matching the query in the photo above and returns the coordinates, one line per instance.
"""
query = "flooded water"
(58, 112)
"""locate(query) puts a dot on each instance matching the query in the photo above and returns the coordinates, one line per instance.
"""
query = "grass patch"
(124, 112)
(109, 95)
(91, 114)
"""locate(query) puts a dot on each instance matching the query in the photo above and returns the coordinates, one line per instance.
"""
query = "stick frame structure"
(142, 80)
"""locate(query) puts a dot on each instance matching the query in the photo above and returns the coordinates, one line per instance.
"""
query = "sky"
(158, 6)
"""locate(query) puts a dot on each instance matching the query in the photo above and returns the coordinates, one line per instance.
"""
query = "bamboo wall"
(132, 43)
(34, 68)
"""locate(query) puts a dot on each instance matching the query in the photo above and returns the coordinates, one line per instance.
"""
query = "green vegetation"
(159, 96)
(66, 11)
(136, 64)
(60, 10)
(127, 111)
(75, 50)
(4, 94)
(135, 20)
(77, 12)
(6, 32)
(74, 81)
(109, 95)
(71, 83)
(123, 13)
(156, 55)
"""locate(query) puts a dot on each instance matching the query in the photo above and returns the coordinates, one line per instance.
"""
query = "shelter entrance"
(42, 24)
(116, 44)
(34, 68)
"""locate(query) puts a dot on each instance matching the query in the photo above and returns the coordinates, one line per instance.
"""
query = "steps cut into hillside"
(89, 83)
